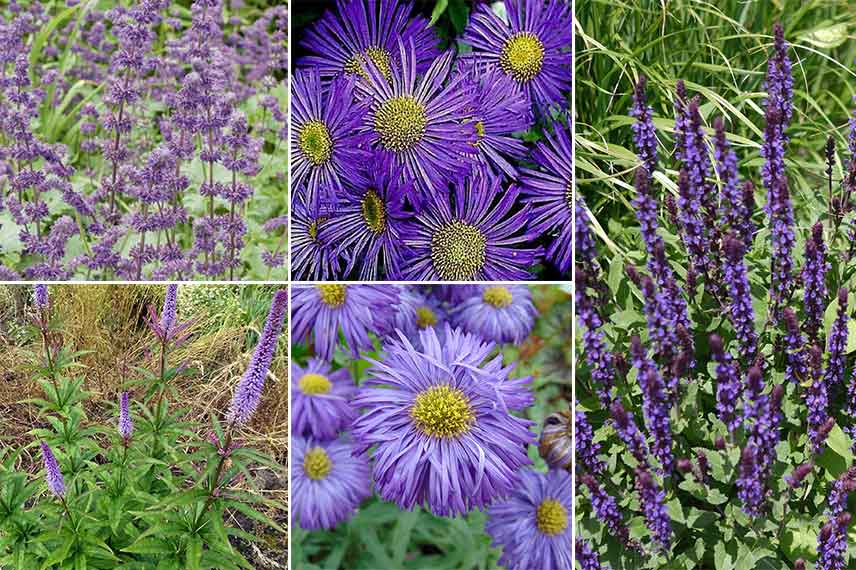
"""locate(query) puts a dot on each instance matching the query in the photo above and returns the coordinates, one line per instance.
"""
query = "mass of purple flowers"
(413, 163)
(415, 402)
(720, 363)
(135, 140)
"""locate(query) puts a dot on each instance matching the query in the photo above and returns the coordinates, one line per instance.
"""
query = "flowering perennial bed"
(135, 142)
(716, 421)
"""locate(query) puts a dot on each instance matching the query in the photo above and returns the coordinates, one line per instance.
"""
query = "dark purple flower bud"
(720, 443)
(800, 472)
(703, 467)
(799, 564)
(53, 474)
(652, 498)
(684, 465)
(741, 313)
(587, 449)
(249, 390)
(126, 424)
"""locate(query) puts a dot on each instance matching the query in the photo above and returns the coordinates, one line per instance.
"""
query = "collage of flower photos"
(287, 285)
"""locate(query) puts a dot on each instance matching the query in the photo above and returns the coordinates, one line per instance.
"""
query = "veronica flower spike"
(249, 390)
(53, 474)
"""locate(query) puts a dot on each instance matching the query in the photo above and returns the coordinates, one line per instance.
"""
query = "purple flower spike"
(586, 448)
(249, 390)
(814, 281)
(53, 474)
(834, 372)
(126, 424)
(832, 543)
(606, 509)
(750, 484)
(653, 498)
(655, 405)
(170, 303)
(728, 386)
(644, 133)
(599, 359)
(797, 368)
(586, 556)
(627, 430)
(40, 296)
(734, 211)
(817, 402)
(740, 299)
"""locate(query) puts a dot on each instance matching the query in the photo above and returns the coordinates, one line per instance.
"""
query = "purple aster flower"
(473, 232)
(644, 133)
(326, 141)
(532, 45)
(249, 390)
(549, 192)
(533, 525)
(424, 123)
(501, 313)
(312, 258)
(440, 416)
(320, 311)
(329, 482)
(320, 405)
(832, 543)
(834, 373)
(629, 433)
(360, 31)
(652, 499)
(606, 509)
(40, 296)
(728, 386)
(740, 299)
(734, 211)
(655, 405)
(169, 308)
(369, 221)
(500, 108)
(814, 271)
(53, 474)
(586, 556)
(586, 448)
(126, 424)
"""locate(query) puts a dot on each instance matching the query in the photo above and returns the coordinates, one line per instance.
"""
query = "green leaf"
(827, 37)
(193, 556)
(439, 8)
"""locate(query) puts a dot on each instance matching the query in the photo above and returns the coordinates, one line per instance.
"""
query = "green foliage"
(156, 500)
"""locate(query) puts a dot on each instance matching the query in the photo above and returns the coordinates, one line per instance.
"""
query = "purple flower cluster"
(740, 299)
(814, 271)
(586, 449)
(729, 389)
(408, 161)
(833, 374)
(735, 213)
(832, 543)
(160, 183)
(655, 405)
(606, 509)
(653, 500)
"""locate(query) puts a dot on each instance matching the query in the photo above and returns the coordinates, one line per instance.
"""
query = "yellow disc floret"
(374, 212)
(400, 122)
(499, 297)
(333, 295)
(551, 517)
(458, 250)
(315, 142)
(312, 384)
(522, 56)
(316, 463)
(442, 411)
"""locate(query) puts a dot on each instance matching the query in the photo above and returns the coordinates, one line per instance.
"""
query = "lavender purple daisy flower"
(497, 313)
(320, 404)
(329, 481)
(312, 258)
(533, 525)
(437, 420)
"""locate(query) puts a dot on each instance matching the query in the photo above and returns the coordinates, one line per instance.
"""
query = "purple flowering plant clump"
(143, 140)
(433, 149)
(412, 412)
(99, 495)
(715, 382)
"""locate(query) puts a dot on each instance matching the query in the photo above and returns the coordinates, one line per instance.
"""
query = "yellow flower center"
(312, 384)
(551, 517)
(458, 251)
(401, 123)
(333, 295)
(378, 56)
(442, 411)
(480, 129)
(425, 317)
(499, 297)
(313, 227)
(374, 212)
(316, 463)
(315, 142)
(522, 56)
